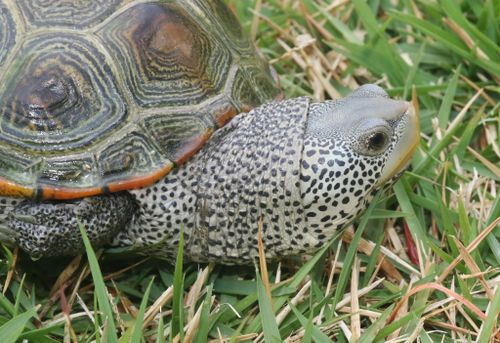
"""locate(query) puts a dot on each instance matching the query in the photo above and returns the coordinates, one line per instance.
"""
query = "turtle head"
(354, 146)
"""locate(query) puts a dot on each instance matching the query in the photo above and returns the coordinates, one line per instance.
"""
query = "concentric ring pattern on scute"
(166, 57)
(62, 96)
(7, 32)
(67, 13)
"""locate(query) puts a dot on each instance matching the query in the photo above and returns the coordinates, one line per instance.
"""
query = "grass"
(424, 261)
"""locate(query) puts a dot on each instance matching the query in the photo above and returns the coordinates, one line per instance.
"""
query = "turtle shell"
(108, 95)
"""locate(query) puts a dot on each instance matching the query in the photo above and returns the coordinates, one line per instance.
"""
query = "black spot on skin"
(305, 178)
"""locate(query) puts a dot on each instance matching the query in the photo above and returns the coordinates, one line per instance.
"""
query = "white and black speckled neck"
(249, 171)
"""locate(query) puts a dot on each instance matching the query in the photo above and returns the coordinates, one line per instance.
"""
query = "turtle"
(145, 122)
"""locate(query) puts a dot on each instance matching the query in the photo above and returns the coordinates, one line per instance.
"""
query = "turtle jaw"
(404, 148)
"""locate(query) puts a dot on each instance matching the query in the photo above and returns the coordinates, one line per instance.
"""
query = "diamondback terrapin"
(100, 100)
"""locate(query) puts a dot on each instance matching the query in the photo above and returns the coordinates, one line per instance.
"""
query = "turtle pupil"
(377, 141)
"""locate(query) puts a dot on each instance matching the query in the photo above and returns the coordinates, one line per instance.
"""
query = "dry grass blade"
(469, 261)
(67, 274)
(124, 270)
(367, 248)
(195, 291)
(12, 269)
(361, 292)
(69, 333)
(255, 21)
(494, 169)
(464, 36)
(436, 286)
(90, 314)
(460, 116)
(451, 327)
(355, 317)
(192, 326)
(157, 305)
(470, 248)
(485, 95)
(263, 264)
(333, 264)
(299, 297)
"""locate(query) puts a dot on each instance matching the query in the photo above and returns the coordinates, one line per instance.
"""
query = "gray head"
(352, 147)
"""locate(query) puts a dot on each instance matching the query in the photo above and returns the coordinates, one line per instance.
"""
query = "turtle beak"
(405, 147)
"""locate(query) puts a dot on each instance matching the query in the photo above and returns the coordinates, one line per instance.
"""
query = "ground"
(422, 264)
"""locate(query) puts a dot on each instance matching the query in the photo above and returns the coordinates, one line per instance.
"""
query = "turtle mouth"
(400, 157)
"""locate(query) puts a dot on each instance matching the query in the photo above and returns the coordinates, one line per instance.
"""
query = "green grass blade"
(345, 273)
(18, 295)
(367, 17)
(402, 191)
(269, 325)
(6, 305)
(482, 41)
(177, 324)
(139, 321)
(100, 289)
(341, 27)
(301, 274)
(397, 324)
(369, 335)
(160, 331)
(295, 283)
(447, 39)
(413, 72)
(204, 326)
(11, 330)
(41, 335)
(491, 239)
(449, 95)
(316, 334)
(486, 334)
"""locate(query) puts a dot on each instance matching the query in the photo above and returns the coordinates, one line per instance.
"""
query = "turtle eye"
(374, 142)
(377, 141)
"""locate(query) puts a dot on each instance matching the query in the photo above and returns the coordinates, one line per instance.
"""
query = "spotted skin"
(52, 227)
(288, 166)
(249, 171)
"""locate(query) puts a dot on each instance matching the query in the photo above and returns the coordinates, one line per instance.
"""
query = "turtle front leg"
(45, 229)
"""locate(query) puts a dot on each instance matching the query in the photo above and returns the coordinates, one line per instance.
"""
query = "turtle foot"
(45, 229)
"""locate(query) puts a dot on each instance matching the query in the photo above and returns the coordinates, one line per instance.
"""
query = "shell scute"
(130, 155)
(178, 135)
(166, 58)
(67, 171)
(59, 96)
(75, 14)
